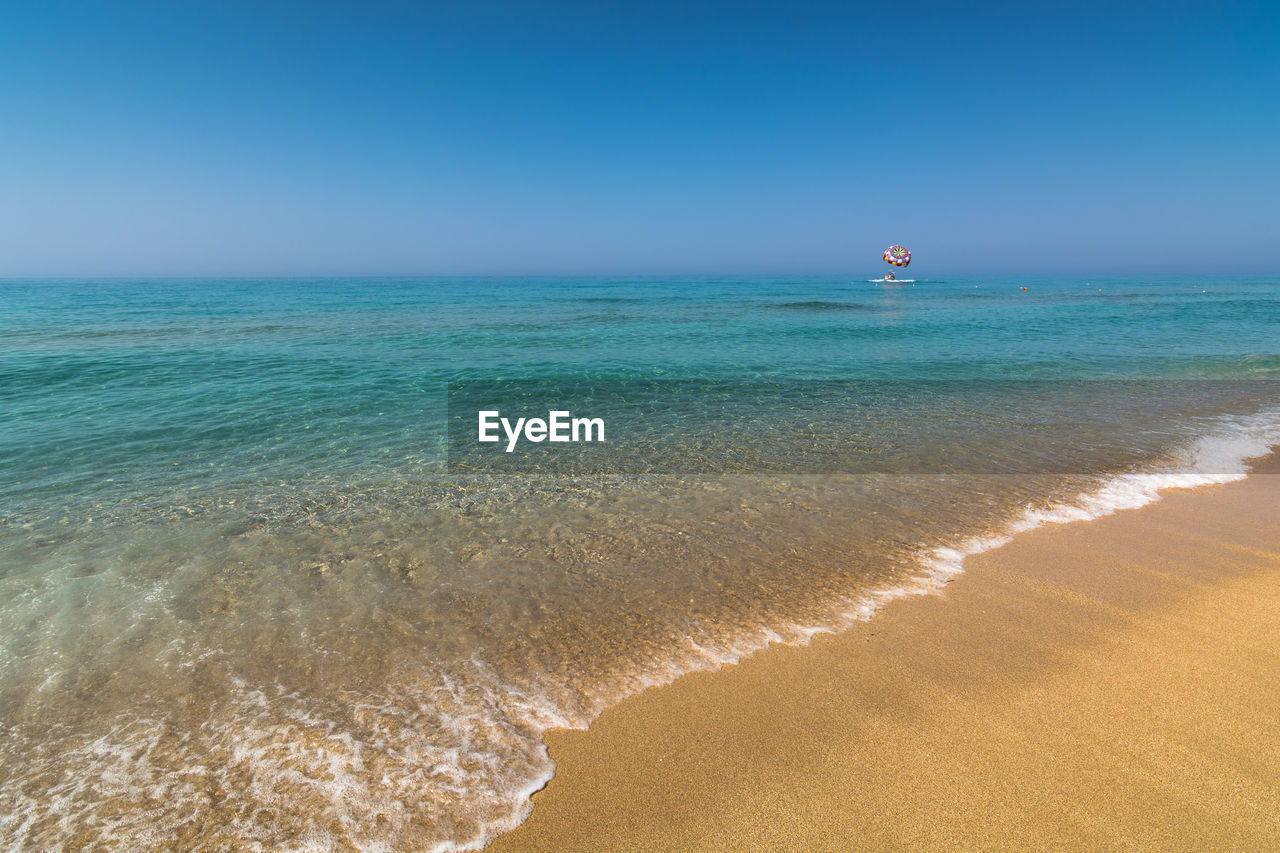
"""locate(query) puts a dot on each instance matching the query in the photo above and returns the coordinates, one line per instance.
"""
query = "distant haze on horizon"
(242, 139)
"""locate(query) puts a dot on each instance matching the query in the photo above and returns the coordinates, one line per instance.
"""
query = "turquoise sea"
(257, 593)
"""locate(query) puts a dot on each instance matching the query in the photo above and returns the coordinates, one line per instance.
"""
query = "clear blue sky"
(238, 138)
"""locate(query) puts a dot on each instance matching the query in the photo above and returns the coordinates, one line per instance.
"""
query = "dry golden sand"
(1113, 684)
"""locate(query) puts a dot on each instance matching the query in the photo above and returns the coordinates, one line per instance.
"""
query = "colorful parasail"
(899, 256)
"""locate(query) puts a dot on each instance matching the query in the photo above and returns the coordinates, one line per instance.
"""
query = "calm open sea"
(254, 596)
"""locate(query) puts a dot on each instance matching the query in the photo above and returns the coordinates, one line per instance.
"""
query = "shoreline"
(1103, 684)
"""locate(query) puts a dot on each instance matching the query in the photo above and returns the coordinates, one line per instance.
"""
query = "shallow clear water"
(252, 594)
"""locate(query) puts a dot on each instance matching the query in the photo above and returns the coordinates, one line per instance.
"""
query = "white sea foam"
(1221, 456)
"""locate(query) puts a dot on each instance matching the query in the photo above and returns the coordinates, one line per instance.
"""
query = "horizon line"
(938, 275)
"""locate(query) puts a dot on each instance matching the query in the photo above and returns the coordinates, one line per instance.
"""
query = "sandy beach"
(1111, 684)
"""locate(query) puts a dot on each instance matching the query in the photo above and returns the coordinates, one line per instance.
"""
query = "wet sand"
(1112, 684)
